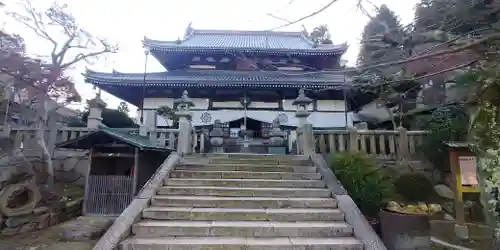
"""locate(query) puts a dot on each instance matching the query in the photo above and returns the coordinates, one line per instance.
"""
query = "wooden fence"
(383, 144)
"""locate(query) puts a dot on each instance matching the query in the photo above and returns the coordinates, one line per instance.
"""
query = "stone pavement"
(77, 234)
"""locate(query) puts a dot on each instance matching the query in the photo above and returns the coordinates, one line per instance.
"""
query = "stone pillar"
(96, 106)
(304, 130)
(307, 140)
(404, 151)
(217, 137)
(184, 104)
(353, 139)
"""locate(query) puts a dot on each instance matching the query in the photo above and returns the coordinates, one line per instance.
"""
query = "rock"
(10, 231)
(85, 228)
(30, 227)
(32, 198)
(448, 217)
(444, 191)
(74, 205)
(17, 221)
(43, 221)
(40, 210)
(54, 218)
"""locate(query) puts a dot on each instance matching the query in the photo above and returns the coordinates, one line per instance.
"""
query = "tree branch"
(488, 38)
(304, 17)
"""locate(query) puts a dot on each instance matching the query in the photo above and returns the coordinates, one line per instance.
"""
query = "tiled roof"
(135, 140)
(251, 41)
(217, 78)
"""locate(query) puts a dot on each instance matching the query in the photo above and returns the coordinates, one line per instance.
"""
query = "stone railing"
(383, 144)
(24, 136)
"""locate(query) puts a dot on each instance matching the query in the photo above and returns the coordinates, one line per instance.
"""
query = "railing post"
(6, 130)
(307, 140)
(184, 105)
(403, 150)
(353, 139)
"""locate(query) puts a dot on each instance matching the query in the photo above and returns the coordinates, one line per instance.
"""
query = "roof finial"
(188, 31)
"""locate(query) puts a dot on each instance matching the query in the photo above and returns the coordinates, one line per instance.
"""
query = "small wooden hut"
(119, 165)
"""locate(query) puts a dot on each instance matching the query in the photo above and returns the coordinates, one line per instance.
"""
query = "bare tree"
(71, 44)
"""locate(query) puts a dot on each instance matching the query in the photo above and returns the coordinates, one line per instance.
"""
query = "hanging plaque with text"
(468, 171)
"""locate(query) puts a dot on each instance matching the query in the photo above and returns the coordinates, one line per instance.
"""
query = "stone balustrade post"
(307, 140)
(403, 149)
(184, 104)
(353, 139)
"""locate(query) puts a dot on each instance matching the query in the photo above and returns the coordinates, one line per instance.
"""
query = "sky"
(127, 22)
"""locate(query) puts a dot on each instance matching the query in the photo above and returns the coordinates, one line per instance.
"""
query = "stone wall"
(71, 166)
(25, 204)
(41, 217)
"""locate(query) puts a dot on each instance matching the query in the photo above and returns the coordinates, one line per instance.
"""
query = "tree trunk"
(42, 111)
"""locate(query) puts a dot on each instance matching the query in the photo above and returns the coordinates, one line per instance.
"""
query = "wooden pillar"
(135, 169)
(87, 188)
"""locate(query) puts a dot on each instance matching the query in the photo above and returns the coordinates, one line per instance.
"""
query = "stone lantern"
(217, 137)
(305, 140)
(184, 104)
(302, 103)
(96, 106)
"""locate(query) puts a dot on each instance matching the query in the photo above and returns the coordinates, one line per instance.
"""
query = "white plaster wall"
(227, 105)
(330, 105)
(264, 105)
(154, 103)
(287, 106)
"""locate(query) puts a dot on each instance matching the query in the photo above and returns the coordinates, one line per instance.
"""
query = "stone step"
(253, 156)
(246, 167)
(245, 183)
(241, 202)
(148, 229)
(232, 214)
(261, 161)
(244, 175)
(245, 191)
(238, 243)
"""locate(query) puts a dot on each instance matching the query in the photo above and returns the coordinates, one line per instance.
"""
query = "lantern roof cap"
(184, 99)
(302, 99)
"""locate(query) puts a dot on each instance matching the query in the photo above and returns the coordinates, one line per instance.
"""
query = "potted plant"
(364, 180)
(405, 221)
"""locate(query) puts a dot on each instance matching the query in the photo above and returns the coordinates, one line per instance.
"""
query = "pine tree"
(369, 52)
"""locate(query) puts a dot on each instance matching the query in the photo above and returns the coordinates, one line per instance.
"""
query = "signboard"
(468, 170)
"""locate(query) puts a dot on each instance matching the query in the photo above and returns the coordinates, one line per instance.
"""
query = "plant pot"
(402, 231)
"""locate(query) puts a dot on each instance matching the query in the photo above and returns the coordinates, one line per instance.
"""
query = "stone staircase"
(242, 202)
